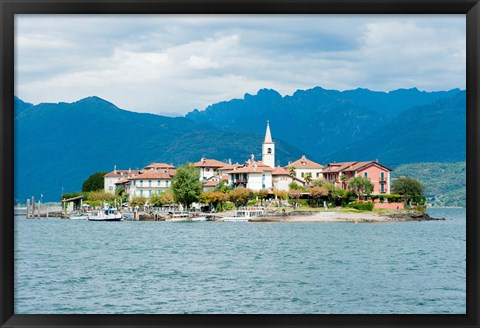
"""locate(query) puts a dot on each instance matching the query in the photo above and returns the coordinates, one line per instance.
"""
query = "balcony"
(239, 181)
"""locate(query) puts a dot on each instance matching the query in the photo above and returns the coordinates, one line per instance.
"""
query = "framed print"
(235, 163)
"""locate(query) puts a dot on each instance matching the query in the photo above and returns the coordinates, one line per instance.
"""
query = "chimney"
(129, 170)
(229, 161)
(253, 156)
(115, 169)
(376, 161)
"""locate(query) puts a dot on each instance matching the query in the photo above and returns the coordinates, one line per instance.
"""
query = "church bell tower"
(268, 149)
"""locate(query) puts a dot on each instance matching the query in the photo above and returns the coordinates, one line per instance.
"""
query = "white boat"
(244, 214)
(107, 214)
(79, 216)
(199, 219)
(180, 217)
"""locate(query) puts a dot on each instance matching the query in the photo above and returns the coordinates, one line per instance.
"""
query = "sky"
(172, 64)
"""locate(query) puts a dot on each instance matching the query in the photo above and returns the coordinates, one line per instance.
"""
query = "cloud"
(175, 63)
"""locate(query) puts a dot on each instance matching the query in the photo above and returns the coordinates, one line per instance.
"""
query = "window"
(263, 176)
(382, 187)
(149, 193)
(166, 183)
(141, 183)
(141, 192)
(263, 186)
(365, 174)
(382, 176)
(149, 183)
(158, 183)
(303, 174)
(269, 150)
(318, 174)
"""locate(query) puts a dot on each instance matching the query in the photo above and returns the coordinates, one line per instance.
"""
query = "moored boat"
(79, 216)
(107, 214)
(244, 214)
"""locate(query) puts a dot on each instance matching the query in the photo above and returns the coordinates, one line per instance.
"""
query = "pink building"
(341, 173)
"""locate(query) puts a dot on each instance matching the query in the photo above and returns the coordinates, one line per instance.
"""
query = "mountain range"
(58, 145)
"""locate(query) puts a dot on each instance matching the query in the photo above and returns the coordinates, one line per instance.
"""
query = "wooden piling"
(28, 209)
(33, 206)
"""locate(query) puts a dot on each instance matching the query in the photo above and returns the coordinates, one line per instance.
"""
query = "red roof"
(154, 175)
(229, 167)
(122, 173)
(337, 167)
(360, 165)
(351, 166)
(280, 171)
(305, 163)
(159, 166)
(205, 162)
(211, 183)
(122, 181)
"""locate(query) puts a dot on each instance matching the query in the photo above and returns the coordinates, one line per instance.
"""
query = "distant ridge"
(60, 145)
(324, 122)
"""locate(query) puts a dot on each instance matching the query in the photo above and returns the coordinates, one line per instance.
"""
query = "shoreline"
(337, 216)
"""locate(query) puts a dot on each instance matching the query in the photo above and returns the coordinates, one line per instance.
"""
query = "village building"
(149, 182)
(281, 179)
(111, 179)
(208, 168)
(341, 173)
(214, 181)
(252, 175)
(304, 167)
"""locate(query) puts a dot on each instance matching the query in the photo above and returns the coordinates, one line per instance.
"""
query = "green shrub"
(228, 206)
(362, 206)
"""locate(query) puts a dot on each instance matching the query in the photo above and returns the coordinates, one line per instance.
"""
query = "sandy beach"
(337, 216)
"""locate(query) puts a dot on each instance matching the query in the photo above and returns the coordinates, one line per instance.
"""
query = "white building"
(304, 167)
(268, 148)
(111, 179)
(281, 179)
(208, 168)
(149, 182)
(251, 175)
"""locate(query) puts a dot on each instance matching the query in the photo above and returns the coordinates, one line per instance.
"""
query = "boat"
(199, 219)
(244, 214)
(180, 217)
(79, 216)
(107, 214)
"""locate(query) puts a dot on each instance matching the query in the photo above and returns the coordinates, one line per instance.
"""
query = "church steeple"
(268, 148)
(268, 136)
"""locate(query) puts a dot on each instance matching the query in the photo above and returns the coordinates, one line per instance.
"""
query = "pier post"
(28, 208)
(33, 206)
(47, 212)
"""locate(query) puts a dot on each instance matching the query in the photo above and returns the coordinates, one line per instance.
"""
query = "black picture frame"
(8, 9)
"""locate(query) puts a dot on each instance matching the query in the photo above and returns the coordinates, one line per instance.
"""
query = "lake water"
(64, 266)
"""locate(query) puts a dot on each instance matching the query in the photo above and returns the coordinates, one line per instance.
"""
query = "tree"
(296, 186)
(223, 187)
(94, 182)
(239, 196)
(308, 178)
(317, 192)
(215, 198)
(291, 170)
(282, 195)
(138, 201)
(186, 185)
(360, 186)
(409, 188)
(262, 194)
